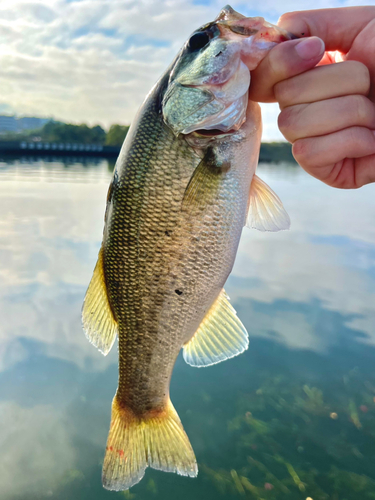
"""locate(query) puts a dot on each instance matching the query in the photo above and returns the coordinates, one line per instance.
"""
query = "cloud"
(40, 295)
(37, 452)
(95, 60)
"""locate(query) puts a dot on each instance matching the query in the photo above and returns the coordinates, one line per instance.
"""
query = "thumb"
(285, 60)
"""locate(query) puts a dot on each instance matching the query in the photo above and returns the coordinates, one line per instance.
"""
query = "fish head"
(210, 78)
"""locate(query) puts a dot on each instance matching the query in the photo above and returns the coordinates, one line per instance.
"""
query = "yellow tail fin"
(134, 443)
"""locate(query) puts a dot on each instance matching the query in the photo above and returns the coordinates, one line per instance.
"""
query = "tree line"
(68, 133)
(83, 134)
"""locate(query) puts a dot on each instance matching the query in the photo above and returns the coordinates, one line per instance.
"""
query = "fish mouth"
(214, 132)
(200, 138)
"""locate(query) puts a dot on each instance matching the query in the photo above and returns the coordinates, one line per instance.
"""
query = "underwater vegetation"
(293, 441)
(288, 440)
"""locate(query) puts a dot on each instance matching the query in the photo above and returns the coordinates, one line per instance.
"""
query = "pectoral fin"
(220, 336)
(97, 318)
(266, 211)
(205, 181)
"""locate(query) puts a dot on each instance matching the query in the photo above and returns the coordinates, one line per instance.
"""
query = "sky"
(94, 61)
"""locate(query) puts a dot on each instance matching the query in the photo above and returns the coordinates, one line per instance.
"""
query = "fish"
(183, 187)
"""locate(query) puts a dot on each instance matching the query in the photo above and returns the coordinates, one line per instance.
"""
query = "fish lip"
(247, 32)
(229, 19)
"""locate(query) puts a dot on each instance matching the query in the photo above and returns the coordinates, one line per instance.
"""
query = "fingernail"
(310, 47)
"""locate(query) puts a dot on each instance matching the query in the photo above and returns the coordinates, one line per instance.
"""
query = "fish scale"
(175, 210)
(146, 284)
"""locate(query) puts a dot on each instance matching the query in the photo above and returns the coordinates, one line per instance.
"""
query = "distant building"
(14, 124)
(8, 124)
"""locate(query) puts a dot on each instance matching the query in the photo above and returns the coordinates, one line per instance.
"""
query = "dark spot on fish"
(212, 161)
(178, 292)
(112, 187)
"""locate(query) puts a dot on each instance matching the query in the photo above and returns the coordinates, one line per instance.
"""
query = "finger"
(338, 28)
(284, 61)
(324, 117)
(324, 82)
(365, 170)
(350, 173)
(317, 154)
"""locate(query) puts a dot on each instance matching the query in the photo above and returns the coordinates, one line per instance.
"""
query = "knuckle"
(292, 122)
(359, 108)
(302, 151)
(291, 117)
(354, 136)
(285, 120)
(360, 75)
(287, 19)
(289, 121)
(288, 92)
(278, 61)
(283, 92)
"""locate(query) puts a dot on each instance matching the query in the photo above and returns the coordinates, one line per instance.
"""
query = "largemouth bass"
(183, 187)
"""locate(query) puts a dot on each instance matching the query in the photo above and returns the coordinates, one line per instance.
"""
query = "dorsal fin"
(266, 211)
(220, 336)
(97, 318)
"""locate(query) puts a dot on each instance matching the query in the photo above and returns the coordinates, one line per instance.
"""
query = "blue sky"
(95, 60)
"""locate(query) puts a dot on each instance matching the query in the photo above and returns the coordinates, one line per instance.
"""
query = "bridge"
(41, 148)
(268, 152)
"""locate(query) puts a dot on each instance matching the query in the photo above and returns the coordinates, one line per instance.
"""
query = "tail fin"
(133, 444)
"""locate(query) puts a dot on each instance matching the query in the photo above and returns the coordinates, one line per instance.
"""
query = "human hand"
(327, 111)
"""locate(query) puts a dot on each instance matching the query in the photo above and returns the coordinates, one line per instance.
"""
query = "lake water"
(292, 418)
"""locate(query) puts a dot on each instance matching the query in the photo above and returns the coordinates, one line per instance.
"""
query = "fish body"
(176, 206)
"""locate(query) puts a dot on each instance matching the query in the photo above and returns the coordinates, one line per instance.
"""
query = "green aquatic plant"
(127, 494)
(292, 441)
(151, 487)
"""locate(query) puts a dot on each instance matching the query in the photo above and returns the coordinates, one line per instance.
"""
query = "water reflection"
(261, 424)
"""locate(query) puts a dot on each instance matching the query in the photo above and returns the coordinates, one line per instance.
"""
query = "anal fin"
(97, 318)
(220, 336)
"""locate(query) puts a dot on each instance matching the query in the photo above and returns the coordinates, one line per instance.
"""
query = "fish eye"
(198, 40)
